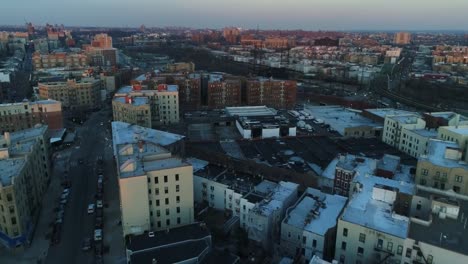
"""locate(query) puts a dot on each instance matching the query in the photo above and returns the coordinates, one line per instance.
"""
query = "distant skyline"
(267, 14)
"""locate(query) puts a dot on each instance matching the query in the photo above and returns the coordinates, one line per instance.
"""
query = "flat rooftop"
(339, 118)
(383, 112)
(449, 234)
(316, 212)
(276, 199)
(266, 122)
(405, 119)
(425, 132)
(365, 211)
(461, 130)
(361, 165)
(177, 253)
(137, 100)
(436, 154)
(253, 111)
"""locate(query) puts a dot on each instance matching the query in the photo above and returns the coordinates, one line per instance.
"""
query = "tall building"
(223, 91)
(231, 34)
(73, 94)
(273, 93)
(102, 41)
(313, 219)
(189, 91)
(442, 168)
(131, 105)
(100, 52)
(19, 116)
(155, 185)
(25, 172)
(402, 38)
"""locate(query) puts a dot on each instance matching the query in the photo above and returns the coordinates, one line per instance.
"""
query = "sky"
(266, 14)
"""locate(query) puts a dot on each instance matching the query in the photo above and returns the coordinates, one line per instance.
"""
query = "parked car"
(86, 245)
(90, 208)
(97, 234)
(99, 203)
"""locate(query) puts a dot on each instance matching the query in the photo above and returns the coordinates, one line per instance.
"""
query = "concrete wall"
(134, 202)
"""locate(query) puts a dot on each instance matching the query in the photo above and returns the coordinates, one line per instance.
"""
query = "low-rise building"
(19, 116)
(375, 223)
(155, 186)
(438, 119)
(393, 126)
(25, 173)
(457, 134)
(181, 66)
(443, 168)
(263, 224)
(309, 228)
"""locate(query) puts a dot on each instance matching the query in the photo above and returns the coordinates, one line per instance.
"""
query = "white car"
(99, 203)
(90, 208)
(97, 234)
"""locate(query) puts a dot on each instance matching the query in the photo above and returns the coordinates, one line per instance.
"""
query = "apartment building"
(443, 168)
(189, 91)
(402, 38)
(102, 41)
(59, 59)
(457, 134)
(163, 104)
(19, 116)
(181, 66)
(438, 229)
(438, 119)
(25, 172)
(223, 91)
(73, 94)
(414, 142)
(100, 52)
(273, 93)
(263, 220)
(155, 185)
(309, 228)
(375, 223)
(393, 125)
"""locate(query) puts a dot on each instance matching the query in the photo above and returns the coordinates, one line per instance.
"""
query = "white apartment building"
(414, 142)
(375, 223)
(155, 187)
(309, 228)
(394, 124)
(263, 224)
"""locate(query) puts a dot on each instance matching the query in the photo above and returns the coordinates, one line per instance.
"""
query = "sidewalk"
(39, 247)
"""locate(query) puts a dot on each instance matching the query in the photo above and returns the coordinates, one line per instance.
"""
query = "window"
(149, 179)
(178, 209)
(156, 180)
(177, 188)
(177, 177)
(9, 197)
(304, 239)
(399, 250)
(151, 202)
(168, 222)
(178, 220)
(165, 178)
(418, 206)
(167, 211)
(156, 191)
(379, 243)
(13, 220)
(362, 238)
(158, 213)
(151, 213)
(314, 243)
(424, 172)
(343, 245)
(178, 199)
(458, 178)
(166, 190)
(408, 252)
(289, 234)
(157, 202)
(167, 200)
(390, 246)
(360, 251)
(159, 224)
(149, 191)
(345, 232)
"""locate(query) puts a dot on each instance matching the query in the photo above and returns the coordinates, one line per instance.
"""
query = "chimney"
(7, 138)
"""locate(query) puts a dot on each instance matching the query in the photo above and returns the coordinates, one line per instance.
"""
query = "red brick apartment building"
(189, 91)
(224, 92)
(273, 93)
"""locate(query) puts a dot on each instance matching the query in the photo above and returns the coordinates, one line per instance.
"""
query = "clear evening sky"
(267, 14)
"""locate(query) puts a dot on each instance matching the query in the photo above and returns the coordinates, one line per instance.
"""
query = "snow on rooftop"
(316, 212)
(361, 165)
(405, 119)
(197, 164)
(340, 118)
(280, 194)
(250, 111)
(383, 112)
(462, 130)
(366, 211)
(425, 132)
(436, 154)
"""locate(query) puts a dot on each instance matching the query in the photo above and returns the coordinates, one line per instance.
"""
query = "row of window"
(166, 178)
(168, 212)
(166, 190)
(168, 223)
(166, 201)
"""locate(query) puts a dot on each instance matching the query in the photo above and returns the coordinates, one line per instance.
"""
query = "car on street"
(90, 208)
(99, 203)
(86, 245)
(98, 222)
(98, 234)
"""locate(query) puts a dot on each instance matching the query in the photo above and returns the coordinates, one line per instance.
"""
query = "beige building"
(414, 142)
(25, 172)
(394, 124)
(442, 168)
(457, 134)
(73, 94)
(163, 104)
(59, 59)
(402, 38)
(134, 110)
(155, 186)
(375, 223)
(181, 66)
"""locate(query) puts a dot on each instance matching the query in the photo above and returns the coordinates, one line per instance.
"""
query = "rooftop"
(316, 212)
(447, 115)
(276, 199)
(176, 253)
(137, 100)
(405, 119)
(436, 154)
(389, 163)
(250, 111)
(361, 165)
(461, 130)
(363, 209)
(424, 132)
(340, 118)
(384, 112)
(195, 231)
